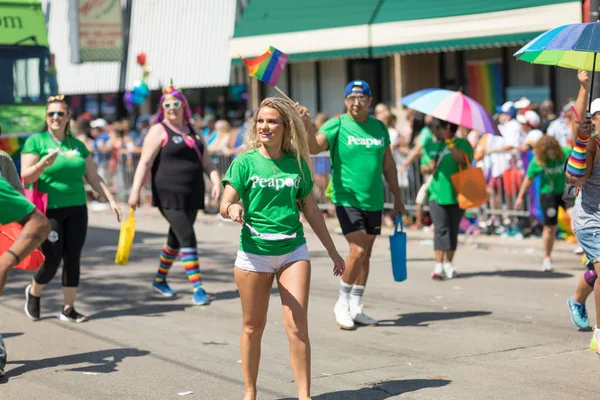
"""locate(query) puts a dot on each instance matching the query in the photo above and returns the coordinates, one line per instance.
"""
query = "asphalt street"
(501, 331)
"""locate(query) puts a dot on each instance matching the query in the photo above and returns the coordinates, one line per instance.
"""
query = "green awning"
(305, 30)
(402, 10)
(319, 29)
(442, 25)
(511, 40)
(22, 23)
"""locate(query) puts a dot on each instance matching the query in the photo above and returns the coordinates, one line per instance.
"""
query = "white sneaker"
(438, 272)
(578, 251)
(449, 270)
(342, 315)
(547, 265)
(359, 317)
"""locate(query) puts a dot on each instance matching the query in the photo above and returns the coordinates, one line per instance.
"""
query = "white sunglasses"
(171, 104)
(269, 236)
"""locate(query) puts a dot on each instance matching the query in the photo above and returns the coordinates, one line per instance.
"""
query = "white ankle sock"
(345, 290)
(356, 295)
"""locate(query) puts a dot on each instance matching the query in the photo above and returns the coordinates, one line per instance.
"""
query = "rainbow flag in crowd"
(485, 83)
(268, 66)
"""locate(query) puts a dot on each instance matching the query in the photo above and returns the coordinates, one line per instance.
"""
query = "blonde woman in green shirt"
(273, 180)
(441, 158)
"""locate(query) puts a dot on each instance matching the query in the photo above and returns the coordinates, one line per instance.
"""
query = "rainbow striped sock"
(577, 164)
(167, 257)
(189, 256)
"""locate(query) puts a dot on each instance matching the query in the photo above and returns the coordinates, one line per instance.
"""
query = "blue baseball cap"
(358, 87)
(507, 108)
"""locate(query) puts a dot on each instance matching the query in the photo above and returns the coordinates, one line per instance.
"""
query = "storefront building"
(400, 47)
(184, 40)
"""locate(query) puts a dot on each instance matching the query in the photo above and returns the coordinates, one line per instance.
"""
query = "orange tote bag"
(470, 186)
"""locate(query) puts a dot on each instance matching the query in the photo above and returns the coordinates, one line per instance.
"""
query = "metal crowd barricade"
(118, 169)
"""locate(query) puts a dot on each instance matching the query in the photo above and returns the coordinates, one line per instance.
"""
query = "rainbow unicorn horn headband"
(171, 88)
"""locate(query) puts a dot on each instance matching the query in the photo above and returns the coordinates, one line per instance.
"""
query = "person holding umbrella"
(576, 46)
(583, 171)
(441, 159)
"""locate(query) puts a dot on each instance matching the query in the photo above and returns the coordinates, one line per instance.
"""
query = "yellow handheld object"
(125, 239)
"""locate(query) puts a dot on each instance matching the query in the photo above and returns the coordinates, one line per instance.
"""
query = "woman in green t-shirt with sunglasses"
(273, 180)
(57, 163)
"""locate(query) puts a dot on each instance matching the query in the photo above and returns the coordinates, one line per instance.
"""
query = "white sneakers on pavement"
(342, 315)
(443, 271)
(359, 317)
(438, 272)
(547, 265)
(347, 317)
(449, 270)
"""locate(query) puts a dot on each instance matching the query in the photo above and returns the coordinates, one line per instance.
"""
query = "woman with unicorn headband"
(176, 155)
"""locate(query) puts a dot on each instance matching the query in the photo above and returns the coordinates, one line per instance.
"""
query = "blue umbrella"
(572, 46)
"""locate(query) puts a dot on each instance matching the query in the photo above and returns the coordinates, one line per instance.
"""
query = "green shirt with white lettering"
(14, 207)
(63, 180)
(269, 190)
(356, 150)
(441, 189)
(553, 175)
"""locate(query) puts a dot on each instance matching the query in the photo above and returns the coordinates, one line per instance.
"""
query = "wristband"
(38, 168)
(577, 164)
(12, 253)
(227, 209)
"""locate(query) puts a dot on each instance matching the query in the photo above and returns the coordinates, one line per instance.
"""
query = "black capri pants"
(446, 220)
(181, 230)
(65, 243)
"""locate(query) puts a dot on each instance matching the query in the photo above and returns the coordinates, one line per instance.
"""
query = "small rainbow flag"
(268, 66)
(485, 83)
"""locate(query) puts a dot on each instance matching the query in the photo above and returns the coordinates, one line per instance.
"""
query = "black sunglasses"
(53, 113)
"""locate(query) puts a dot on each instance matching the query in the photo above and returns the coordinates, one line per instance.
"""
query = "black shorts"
(354, 219)
(550, 203)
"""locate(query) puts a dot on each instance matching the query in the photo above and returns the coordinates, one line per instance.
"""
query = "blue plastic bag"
(398, 251)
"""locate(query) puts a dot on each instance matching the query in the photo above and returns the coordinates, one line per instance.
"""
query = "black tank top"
(178, 174)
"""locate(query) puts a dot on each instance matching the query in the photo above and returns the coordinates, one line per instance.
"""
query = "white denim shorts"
(270, 264)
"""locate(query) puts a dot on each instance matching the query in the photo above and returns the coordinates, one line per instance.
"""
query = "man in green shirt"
(359, 149)
(15, 208)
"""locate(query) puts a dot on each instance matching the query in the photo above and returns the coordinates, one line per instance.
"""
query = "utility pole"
(123, 72)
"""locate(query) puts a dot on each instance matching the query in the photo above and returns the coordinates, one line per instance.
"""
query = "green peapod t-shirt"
(441, 189)
(14, 207)
(356, 150)
(63, 180)
(553, 176)
(269, 190)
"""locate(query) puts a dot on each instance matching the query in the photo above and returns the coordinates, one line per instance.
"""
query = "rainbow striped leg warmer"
(577, 164)
(167, 257)
(189, 256)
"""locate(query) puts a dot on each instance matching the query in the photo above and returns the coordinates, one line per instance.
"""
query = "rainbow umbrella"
(453, 107)
(572, 46)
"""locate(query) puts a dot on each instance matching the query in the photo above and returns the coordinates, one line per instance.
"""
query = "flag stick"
(283, 94)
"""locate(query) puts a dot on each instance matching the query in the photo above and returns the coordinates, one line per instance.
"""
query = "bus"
(27, 72)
